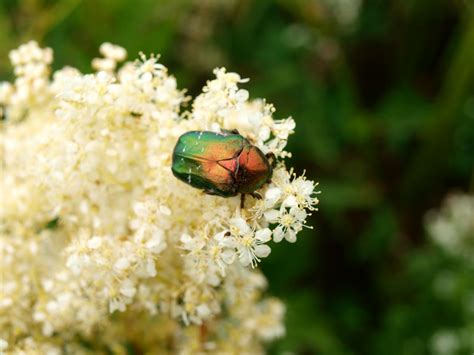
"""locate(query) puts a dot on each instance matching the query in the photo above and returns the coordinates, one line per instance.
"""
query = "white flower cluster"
(452, 228)
(31, 86)
(101, 247)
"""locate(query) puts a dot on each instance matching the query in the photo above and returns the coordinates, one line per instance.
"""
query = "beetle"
(223, 164)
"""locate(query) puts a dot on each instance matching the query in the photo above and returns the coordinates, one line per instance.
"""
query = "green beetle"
(223, 164)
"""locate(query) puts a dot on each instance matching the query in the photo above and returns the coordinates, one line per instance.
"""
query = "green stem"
(437, 138)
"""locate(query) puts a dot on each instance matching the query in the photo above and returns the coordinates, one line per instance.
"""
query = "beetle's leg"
(242, 201)
(256, 195)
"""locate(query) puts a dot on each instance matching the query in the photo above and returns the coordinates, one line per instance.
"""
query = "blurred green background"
(382, 92)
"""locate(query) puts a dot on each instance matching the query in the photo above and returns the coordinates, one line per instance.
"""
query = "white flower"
(156, 243)
(270, 200)
(151, 267)
(75, 263)
(148, 68)
(122, 264)
(250, 245)
(283, 128)
(116, 304)
(452, 228)
(242, 95)
(290, 201)
(6, 90)
(94, 243)
(272, 196)
(127, 288)
(210, 257)
(203, 311)
(290, 223)
(3, 344)
(224, 248)
(267, 320)
(304, 192)
(297, 190)
(104, 64)
(192, 244)
(113, 52)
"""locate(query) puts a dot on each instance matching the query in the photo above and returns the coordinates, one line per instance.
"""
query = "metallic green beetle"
(223, 164)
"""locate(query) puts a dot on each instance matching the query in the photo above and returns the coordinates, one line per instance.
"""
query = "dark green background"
(384, 108)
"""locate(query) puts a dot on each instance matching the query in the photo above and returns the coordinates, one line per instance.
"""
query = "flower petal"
(228, 256)
(299, 214)
(241, 224)
(262, 251)
(278, 234)
(264, 235)
(290, 235)
(272, 194)
(272, 215)
(127, 288)
(245, 258)
(290, 201)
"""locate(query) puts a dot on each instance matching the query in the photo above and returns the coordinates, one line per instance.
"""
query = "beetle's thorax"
(253, 169)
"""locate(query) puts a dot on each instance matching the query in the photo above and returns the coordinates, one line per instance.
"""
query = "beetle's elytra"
(223, 164)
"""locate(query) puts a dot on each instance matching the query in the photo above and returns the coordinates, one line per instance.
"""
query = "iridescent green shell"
(223, 164)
